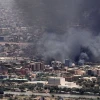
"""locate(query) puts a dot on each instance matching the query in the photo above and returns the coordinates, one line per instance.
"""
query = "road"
(48, 94)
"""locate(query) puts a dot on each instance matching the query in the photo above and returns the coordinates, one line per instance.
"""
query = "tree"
(81, 91)
(52, 96)
(22, 87)
(31, 87)
(64, 89)
(1, 96)
(33, 96)
(10, 98)
(1, 90)
(98, 98)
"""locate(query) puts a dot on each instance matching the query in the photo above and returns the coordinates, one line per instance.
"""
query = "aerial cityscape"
(49, 50)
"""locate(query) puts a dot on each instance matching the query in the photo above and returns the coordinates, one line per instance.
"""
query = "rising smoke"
(68, 27)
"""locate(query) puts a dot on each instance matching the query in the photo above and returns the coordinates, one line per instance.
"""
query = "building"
(90, 72)
(96, 72)
(71, 70)
(56, 64)
(48, 69)
(37, 66)
(39, 83)
(42, 98)
(69, 79)
(17, 80)
(69, 85)
(56, 81)
(5, 30)
(61, 83)
(90, 78)
(76, 77)
(1, 38)
(3, 69)
(4, 77)
(11, 59)
(79, 72)
(68, 63)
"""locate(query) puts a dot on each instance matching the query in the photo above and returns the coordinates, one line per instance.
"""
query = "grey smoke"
(83, 56)
(64, 46)
(69, 45)
(65, 25)
(81, 62)
(62, 26)
(56, 16)
(49, 15)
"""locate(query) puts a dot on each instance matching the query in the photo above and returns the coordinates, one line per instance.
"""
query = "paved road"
(47, 94)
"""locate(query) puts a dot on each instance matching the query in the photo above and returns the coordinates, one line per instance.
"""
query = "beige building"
(96, 72)
(69, 85)
(56, 81)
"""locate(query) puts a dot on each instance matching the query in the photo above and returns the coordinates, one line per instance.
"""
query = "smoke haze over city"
(66, 28)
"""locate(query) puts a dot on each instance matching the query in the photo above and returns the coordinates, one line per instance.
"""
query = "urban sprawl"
(25, 78)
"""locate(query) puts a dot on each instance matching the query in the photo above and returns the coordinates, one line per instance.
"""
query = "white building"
(56, 81)
(60, 82)
(69, 85)
(37, 82)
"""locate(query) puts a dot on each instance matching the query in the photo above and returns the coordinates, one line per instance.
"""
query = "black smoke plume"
(66, 26)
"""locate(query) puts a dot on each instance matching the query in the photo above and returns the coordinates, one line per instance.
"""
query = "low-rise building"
(79, 72)
(76, 77)
(90, 78)
(56, 81)
(69, 85)
(4, 77)
(39, 83)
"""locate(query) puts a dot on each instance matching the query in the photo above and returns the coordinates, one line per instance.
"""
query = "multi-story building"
(56, 81)
(37, 66)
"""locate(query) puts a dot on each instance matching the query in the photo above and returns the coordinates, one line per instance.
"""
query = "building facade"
(56, 81)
